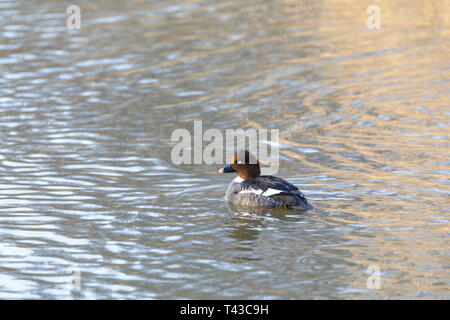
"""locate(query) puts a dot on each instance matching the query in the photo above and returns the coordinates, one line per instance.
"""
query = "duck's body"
(252, 189)
(266, 191)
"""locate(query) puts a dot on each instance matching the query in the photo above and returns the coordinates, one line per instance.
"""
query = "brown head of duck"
(244, 164)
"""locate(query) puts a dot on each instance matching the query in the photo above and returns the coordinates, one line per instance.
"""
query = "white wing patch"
(258, 192)
(269, 192)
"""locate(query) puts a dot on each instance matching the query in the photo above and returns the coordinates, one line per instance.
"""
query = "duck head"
(244, 164)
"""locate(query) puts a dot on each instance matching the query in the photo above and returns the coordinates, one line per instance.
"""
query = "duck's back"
(266, 191)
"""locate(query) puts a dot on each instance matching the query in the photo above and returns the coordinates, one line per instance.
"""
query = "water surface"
(88, 188)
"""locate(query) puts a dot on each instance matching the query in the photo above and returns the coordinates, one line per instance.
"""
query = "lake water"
(93, 207)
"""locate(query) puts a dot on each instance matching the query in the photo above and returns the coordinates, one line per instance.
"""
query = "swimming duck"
(250, 188)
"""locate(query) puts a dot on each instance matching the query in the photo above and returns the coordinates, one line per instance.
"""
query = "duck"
(250, 188)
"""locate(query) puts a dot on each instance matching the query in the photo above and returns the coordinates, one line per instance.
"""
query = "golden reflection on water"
(392, 101)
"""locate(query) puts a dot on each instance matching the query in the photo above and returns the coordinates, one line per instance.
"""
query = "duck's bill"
(227, 169)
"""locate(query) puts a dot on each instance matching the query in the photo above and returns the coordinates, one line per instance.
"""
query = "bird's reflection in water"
(249, 221)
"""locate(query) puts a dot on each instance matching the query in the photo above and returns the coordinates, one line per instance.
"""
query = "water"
(91, 205)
